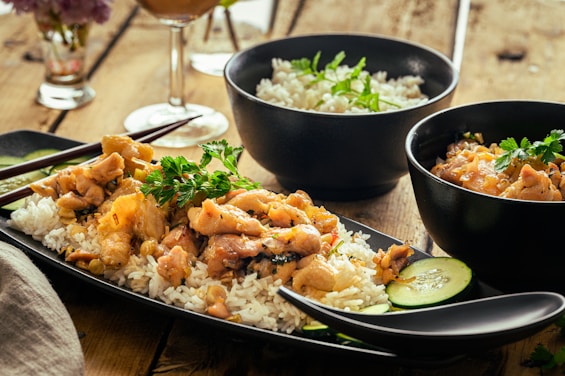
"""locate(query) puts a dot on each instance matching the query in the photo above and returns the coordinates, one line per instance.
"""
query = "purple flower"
(67, 11)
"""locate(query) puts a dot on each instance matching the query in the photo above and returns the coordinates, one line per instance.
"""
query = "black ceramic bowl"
(334, 156)
(512, 245)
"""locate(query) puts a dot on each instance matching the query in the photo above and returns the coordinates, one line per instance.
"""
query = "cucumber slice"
(40, 153)
(317, 330)
(15, 182)
(376, 309)
(438, 280)
(12, 183)
(344, 339)
(9, 160)
(15, 205)
(61, 166)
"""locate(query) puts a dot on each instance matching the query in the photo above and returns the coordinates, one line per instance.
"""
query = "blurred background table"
(513, 49)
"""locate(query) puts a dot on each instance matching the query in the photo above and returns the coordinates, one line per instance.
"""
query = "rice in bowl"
(292, 88)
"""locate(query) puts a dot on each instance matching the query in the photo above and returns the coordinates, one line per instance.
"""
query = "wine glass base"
(210, 125)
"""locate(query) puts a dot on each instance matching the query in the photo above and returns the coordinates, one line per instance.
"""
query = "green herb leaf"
(186, 181)
(547, 150)
(364, 99)
(542, 357)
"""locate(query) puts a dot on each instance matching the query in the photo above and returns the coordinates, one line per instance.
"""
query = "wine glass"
(177, 14)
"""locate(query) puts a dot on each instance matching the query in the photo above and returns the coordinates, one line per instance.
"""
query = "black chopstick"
(147, 136)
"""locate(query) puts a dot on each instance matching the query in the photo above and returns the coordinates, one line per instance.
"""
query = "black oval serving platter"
(20, 142)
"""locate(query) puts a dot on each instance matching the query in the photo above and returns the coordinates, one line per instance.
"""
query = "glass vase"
(64, 52)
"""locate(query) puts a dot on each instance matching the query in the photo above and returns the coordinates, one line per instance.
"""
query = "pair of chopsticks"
(146, 136)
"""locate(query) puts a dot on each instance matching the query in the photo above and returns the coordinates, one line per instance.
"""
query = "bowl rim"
(253, 98)
(412, 134)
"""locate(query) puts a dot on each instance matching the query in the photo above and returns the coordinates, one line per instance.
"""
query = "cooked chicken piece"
(133, 217)
(299, 199)
(173, 266)
(46, 187)
(222, 253)
(115, 248)
(557, 177)
(150, 220)
(184, 237)
(107, 169)
(317, 274)
(82, 187)
(301, 239)
(125, 187)
(225, 252)
(134, 153)
(56, 185)
(285, 215)
(322, 219)
(216, 302)
(391, 262)
(79, 254)
(533, 185)
(255, 202)
(211, 219)
(282, 211)
(65, 180)
(473, 169)
(265, 267)
(79, 191)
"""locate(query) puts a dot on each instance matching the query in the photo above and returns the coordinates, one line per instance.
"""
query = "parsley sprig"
(364, 99)
(543, 358)
(187, 181)
(547, 150)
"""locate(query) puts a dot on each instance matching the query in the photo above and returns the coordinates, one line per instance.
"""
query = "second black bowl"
(334, 156)
(513, 245)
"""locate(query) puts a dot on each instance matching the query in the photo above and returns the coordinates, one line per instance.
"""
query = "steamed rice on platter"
(219, 251)
(338, 88)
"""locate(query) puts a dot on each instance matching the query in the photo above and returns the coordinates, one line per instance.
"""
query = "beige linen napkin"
(37, 335)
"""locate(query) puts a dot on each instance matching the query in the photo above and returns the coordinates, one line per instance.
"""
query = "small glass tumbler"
(64, 51)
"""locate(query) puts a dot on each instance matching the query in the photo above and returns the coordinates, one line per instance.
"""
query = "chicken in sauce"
(236, 234)
(471, 165)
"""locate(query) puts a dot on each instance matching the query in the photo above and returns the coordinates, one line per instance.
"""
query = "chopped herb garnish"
(543, 358)
(547, 150)
(187, 181)
(364, 99)
(335, 249)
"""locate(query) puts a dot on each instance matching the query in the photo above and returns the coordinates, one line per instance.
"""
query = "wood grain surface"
(513, 49)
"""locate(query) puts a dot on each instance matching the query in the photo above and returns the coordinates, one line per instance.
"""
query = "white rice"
(254, 299)
(288, 88)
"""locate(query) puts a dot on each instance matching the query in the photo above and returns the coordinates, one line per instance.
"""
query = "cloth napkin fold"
(37, 335)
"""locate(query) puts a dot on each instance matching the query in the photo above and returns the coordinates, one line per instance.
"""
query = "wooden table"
(513, 49)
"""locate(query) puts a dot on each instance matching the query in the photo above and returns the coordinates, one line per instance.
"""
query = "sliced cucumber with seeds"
(9, 160)
(436, 280)
(15, 182)
(12, 183)
(40, 153)
(376, 309)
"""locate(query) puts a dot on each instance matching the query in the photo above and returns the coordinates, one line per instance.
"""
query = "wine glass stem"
(176, 98)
